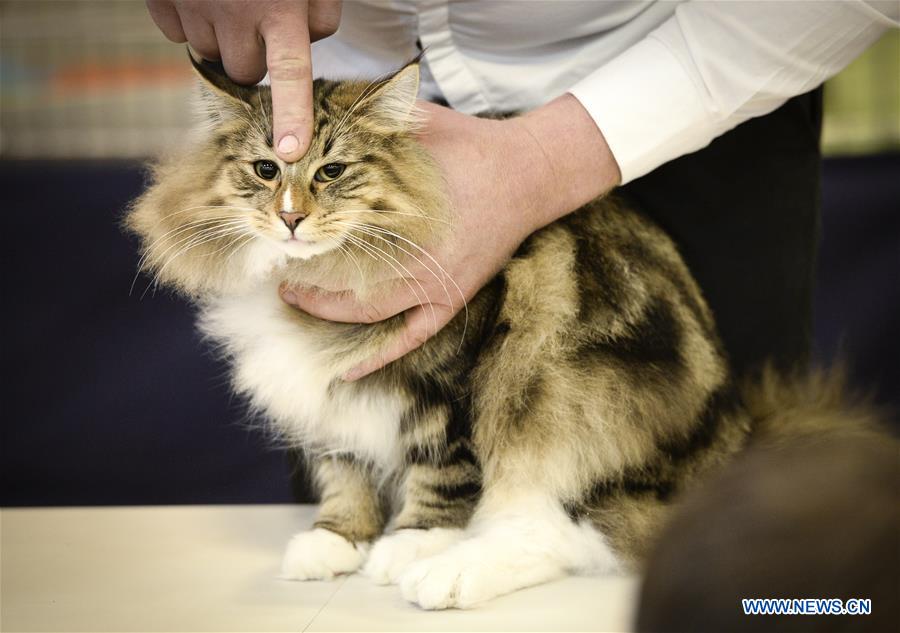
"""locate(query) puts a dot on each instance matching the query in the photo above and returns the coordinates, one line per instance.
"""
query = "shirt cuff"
(647, 107)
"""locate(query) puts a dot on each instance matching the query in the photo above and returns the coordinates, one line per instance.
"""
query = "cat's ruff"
(285, 373)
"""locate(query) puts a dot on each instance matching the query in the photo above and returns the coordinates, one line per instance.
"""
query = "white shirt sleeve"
(713, 65)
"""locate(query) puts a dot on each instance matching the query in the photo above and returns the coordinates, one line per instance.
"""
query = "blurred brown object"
(817, 519)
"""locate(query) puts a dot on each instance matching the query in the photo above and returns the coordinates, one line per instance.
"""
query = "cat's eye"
(265, 169)
(329, 172)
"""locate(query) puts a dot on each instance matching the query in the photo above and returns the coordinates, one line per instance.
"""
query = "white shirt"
(660, 79)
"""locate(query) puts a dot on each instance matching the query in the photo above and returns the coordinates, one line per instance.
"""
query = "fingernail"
(289, 296)
(353, 374)
(288, 144)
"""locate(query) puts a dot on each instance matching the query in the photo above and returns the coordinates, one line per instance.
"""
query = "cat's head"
(225, 211)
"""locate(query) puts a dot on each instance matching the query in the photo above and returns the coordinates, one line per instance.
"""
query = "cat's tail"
(789, 406)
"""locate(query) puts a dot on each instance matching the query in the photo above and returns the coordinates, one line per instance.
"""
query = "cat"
(546, 430)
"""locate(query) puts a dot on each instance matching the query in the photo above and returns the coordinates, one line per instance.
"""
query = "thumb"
(422, 322)
(290, 74)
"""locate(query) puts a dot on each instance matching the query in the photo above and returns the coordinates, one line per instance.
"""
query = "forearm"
(569, 162)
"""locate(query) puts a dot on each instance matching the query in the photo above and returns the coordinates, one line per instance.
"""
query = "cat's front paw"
(392, 554)
(475, 571)
(320, 554)
(443, 582)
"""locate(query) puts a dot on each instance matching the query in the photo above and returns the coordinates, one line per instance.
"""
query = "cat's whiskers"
(385, 256)
(250, 236)
(392, 212)
(205, 206)
(346, 253)
(196, 240)
(338, 240)
(192, 224)
(370, 231)
(172, 234)
(198, 227)
(421, 214)
(239, 234)
(444, 272)
(440, 281)
(354, 212)
(380, 255)
(427, 254)
(247, 235)
(202, 237)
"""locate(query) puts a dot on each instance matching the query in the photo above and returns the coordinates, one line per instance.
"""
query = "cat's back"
(600, 273)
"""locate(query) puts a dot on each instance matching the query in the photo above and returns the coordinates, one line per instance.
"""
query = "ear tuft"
(391, 106)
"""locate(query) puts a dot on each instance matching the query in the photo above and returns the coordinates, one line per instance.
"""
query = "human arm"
(251, 37)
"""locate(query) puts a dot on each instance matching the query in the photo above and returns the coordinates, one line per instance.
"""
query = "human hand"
(505, 180)
(250, 36)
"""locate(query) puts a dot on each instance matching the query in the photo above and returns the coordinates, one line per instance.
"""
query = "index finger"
(290, 73)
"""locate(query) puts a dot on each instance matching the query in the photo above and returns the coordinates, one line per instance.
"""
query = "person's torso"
(502, 55)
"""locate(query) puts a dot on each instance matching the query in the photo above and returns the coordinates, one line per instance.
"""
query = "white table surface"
(214, 568)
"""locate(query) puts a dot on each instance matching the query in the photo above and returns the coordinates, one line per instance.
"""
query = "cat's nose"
(291, 219)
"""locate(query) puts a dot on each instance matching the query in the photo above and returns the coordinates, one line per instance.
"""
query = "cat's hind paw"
(392, 554)
(321, 554)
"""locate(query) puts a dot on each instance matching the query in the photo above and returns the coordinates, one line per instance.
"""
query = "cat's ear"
(390, 105)
(218, 91)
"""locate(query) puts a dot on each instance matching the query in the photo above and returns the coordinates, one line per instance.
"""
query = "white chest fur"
(286, 374)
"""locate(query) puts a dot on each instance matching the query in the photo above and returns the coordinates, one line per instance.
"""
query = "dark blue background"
(110, 399)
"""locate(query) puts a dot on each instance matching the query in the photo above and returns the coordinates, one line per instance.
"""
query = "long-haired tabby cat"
(543, 431)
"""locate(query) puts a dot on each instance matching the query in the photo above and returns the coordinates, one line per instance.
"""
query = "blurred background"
(109, 398)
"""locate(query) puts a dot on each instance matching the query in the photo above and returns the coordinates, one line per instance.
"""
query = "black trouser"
(745, 213)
